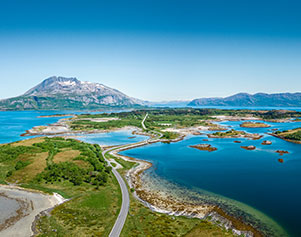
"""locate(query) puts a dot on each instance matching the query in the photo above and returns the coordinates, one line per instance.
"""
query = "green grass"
(89, 213)
(141, 221)
(93, 207)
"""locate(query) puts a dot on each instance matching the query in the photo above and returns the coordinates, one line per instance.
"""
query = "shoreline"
(288, 140)
(31, 203)
(167, 204)
(154, 199)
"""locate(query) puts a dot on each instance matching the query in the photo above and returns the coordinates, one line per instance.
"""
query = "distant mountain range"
(69, 93)
(60, 93)
(248, 100)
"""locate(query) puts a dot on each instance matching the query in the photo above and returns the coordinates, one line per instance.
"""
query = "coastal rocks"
(196, 133)
(227, 224)
(237, 141)
(132, 137)
(266, 142)
(281, 152)
(235, 134)
(251, 147)
(280, 160)
(204, 147)
(253, 136)
(254, 125)
(54, 129)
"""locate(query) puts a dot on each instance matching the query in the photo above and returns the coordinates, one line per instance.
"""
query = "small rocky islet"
(204, 147)
(249, 148)
(254, 125)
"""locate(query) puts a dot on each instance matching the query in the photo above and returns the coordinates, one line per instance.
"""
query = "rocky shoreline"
(162, 202)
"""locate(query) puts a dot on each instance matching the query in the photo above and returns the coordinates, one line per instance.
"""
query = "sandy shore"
(30, 203)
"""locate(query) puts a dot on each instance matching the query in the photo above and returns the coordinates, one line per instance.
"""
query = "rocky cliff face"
(245, 100)
(69, 93)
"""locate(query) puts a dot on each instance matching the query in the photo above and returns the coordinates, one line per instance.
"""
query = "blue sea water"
(121, 137)
(255, 178)
(15, 123)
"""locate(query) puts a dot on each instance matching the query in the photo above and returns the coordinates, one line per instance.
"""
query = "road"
(117, 228)
(144, 121)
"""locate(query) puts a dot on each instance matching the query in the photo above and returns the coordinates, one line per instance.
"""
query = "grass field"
(53, 165)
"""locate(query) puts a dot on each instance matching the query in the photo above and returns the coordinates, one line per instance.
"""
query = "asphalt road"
(144, 121)
(117, 228)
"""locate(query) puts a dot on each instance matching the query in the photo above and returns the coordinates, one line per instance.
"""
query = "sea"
(252, 184)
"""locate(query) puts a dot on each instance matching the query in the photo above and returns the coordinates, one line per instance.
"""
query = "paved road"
(144, 121)
(115, 232)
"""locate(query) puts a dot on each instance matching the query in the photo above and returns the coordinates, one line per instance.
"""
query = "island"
(293, 135)
(75, 184)
(266, 142)
(204, 147)
(161, 125)
(281, 152)
(251, 147)
(235, 134)
(254, 125)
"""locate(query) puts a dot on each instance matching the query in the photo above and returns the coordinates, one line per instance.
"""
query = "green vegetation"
(59, 102)
(142, 221)
(160, 119)
(14, 158)
(73, 169)
(170, 135)
(229, 133)
(87, 124)
(294, 134)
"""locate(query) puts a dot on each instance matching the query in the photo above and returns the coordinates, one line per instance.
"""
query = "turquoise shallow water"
(13, 124)
(255, 178)
(121, 137)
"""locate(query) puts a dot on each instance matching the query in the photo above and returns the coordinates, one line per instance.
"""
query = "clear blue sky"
(153, 49)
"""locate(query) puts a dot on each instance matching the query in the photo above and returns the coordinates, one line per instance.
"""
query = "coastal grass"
(73, 169)
(293, 134)
(92, 213)
(142, 221)
(36, 165)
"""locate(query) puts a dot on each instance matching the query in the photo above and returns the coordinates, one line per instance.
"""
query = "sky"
(153, 49)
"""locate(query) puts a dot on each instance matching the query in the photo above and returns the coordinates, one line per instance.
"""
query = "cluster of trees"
(169, 135)
(231, 132)
(90, 125)
(10, 153)
(96, 174)
(294, 136)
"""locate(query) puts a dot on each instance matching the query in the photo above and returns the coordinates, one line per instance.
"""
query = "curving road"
(143, 125)
(117, 228)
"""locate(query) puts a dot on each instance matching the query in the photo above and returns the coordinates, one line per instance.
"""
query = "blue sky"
(153, 50)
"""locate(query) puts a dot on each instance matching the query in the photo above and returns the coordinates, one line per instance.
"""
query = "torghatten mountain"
(69, 93)
(248, 100)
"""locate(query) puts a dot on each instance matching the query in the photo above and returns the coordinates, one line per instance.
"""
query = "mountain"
(69, 93)
(248, 100)
(173, 103)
